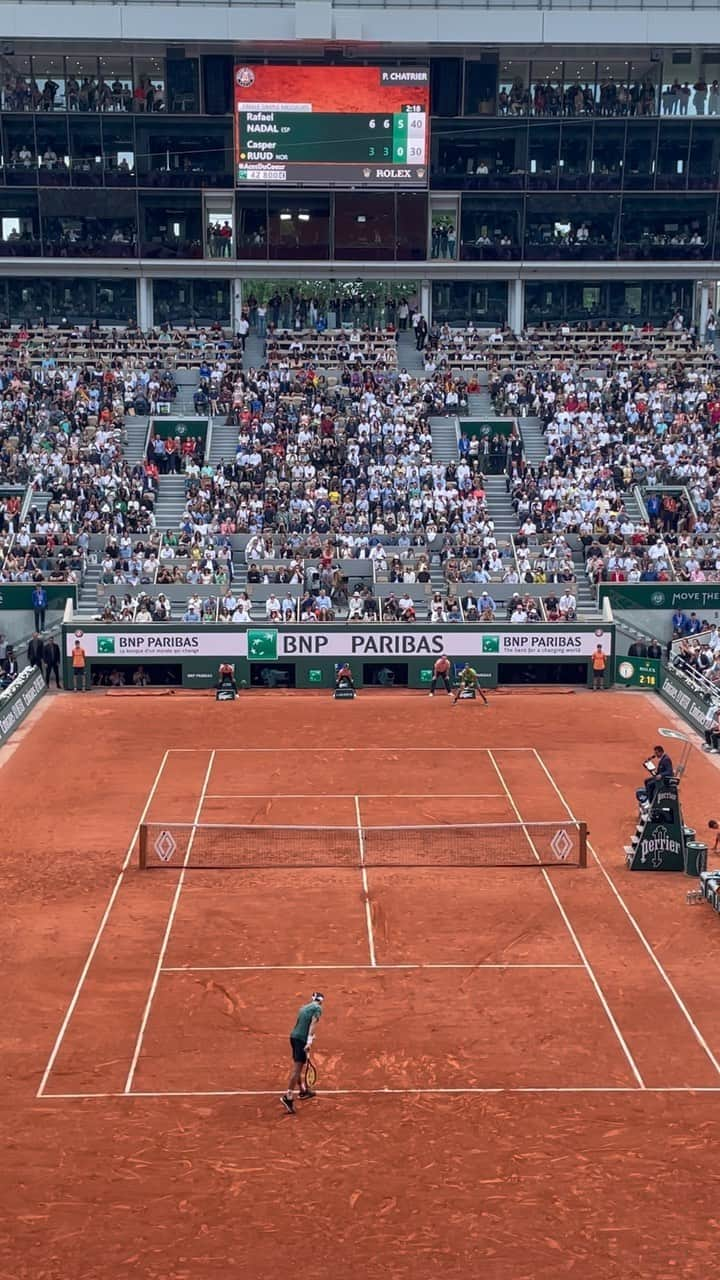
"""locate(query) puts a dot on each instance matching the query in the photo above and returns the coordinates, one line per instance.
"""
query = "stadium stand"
(627, 468)
(329, 486)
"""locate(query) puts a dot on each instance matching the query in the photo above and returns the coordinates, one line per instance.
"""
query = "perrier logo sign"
(262, 646)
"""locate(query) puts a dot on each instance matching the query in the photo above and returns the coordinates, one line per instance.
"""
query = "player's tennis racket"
(310, 1074)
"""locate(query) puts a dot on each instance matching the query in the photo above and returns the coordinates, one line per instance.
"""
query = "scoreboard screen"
(332, 126)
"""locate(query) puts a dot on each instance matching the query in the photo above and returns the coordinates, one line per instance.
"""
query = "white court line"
(367, 795)
(408, 1091)
(647, 945)
(100, 931)
(366, 891)
(168, 930)
(380, 749)
(311, 968)
(578, 947)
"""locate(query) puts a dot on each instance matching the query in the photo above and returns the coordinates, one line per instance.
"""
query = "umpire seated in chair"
(662, 774)
(226, 689)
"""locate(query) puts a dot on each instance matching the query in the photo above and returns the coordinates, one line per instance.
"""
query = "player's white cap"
(318, 996)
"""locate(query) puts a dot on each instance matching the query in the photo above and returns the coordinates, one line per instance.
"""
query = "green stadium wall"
(688, 702)
(196, 428)
(660, 595)
(15, 596)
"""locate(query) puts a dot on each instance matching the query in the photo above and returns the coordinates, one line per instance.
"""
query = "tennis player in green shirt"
(301, 1037)
(469, 680)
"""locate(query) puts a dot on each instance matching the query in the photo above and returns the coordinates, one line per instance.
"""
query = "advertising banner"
(685, 701)
(661, 595)
(638, 673)
(20, 698)
(271, 644)
(170, 645)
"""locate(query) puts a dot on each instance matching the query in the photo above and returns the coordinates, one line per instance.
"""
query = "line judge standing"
(441, 675)
(35, 651)
(78, 667)
(51, 660)
(599, 663)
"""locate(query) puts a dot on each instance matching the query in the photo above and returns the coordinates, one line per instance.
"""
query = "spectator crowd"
(330, 503)
(613, 434)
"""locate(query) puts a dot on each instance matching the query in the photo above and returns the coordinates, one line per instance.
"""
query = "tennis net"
(219, 846)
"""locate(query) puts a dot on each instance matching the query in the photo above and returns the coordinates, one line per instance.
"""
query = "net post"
(583, 843)
(142, 846)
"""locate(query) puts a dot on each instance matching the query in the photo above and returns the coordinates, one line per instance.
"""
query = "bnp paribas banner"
(660, 595)
(272, 644)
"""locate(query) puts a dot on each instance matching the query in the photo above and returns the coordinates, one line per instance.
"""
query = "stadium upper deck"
(573, 174)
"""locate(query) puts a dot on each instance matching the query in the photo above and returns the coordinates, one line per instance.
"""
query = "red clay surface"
(548, 1002)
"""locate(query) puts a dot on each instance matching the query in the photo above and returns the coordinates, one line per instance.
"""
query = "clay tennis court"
(519, 1067)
